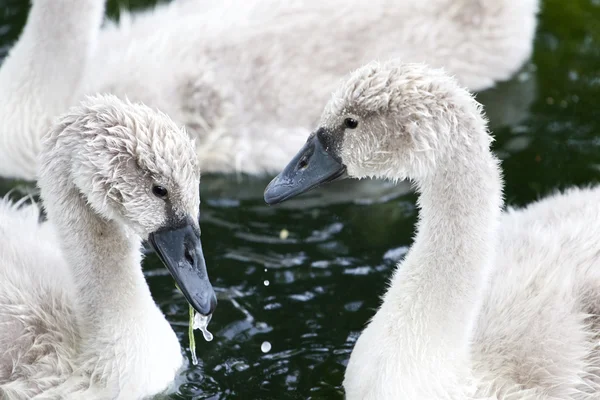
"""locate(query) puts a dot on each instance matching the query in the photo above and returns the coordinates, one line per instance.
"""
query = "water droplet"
(266, 282)
(201, 322)
(265, 347)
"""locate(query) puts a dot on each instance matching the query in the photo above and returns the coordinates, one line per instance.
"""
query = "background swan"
(242, 76)
(485, 305)
(76, 315)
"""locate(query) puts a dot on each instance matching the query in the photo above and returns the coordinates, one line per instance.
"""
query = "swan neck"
(45, 67)
(445, 273)
(105, 260)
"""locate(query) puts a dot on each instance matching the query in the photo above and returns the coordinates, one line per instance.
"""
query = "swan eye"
(350, 123)
(159, 191)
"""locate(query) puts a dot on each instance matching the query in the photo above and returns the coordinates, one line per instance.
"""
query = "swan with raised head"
(486, 304)
(242, 76)
(76, 314)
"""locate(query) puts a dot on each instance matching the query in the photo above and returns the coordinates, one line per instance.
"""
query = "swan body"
(242, 76)
(486, 304)
(77, 318)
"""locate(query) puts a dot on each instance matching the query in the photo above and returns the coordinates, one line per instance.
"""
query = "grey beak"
(311, 167)
(180, 250)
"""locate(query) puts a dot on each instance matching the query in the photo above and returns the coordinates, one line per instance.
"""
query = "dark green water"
(326, 277)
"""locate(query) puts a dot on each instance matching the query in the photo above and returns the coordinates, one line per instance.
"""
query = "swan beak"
(180, 249)
(311, 167)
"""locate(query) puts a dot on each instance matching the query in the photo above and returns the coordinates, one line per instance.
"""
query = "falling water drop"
(265, 347)
(201, 322)
(266, 282)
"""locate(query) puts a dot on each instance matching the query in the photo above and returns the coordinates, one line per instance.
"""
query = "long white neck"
(126, 342)
(53, 51)
(41, 76)
(438, 288)
(105, 259)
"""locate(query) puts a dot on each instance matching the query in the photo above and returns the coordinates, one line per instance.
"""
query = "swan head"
(131, 165)
(389, 121)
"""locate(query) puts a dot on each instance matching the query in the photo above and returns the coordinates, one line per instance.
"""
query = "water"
(327, 271)
(265, 347)
(201, 322)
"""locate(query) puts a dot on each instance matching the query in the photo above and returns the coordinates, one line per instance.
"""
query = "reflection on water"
(297, 282)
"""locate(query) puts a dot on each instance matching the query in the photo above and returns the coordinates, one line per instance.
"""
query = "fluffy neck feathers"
(437, 290)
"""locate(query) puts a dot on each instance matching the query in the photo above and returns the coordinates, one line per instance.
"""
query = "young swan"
(77, 317)
(485, 305)
(242, 76)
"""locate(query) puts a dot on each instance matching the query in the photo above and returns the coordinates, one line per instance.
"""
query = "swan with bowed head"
(76, 315)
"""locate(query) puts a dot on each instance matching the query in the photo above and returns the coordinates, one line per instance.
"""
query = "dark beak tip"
(312, 166)
(267, 194)
(206, 306)
(270, 197)
(272, 194)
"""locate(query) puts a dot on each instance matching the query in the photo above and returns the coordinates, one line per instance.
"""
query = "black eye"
(350, 123)
(159, 192)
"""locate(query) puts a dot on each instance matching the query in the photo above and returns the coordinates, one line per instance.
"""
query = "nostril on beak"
(188, 255)
(302, 164)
